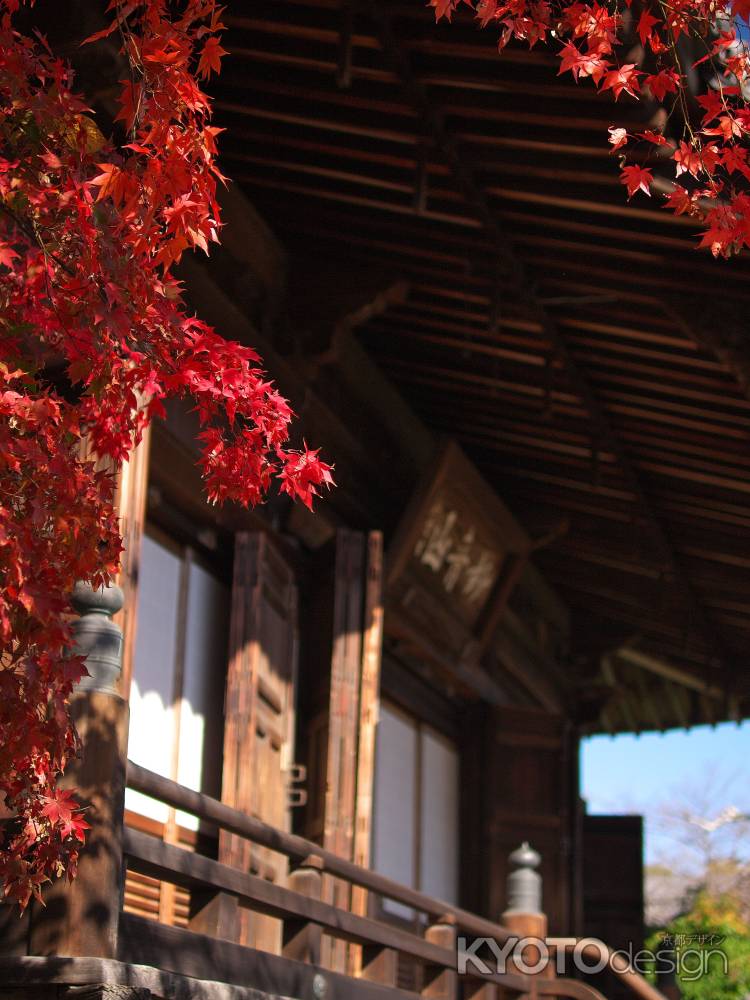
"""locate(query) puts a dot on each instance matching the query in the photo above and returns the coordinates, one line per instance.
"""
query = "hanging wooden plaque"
(449, 553)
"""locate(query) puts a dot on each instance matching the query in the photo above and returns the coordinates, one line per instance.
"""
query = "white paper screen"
(438, 855)
(151, 731)
(394, 822)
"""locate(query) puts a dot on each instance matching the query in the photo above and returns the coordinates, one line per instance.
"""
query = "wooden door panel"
(259, 720)
(340, 691)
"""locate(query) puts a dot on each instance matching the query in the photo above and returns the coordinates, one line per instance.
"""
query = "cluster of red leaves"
(55, 510)
(712, 155)
(94, 336)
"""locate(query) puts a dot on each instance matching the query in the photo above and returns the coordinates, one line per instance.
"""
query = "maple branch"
(31, 232)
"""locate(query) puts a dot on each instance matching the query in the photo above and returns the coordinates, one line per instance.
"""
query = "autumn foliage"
(95, 336)
(695, 151)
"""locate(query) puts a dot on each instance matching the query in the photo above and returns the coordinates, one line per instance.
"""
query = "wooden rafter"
(433, 123)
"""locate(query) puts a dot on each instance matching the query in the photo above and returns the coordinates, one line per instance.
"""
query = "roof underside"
(582, 351)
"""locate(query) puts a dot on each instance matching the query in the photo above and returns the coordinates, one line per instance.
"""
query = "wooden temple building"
(341, 724)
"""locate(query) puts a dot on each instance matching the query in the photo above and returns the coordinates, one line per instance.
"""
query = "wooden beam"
(672, 673)
(467, 670)
(498, 601)
(507, 583)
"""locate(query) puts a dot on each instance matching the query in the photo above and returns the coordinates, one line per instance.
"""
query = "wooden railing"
(84, 936)
(296, 972)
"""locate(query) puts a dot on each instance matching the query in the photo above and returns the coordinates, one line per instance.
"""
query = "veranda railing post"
(82, 919)
(302, 938)
(474, 989)
(441, 983)
(524, 916)
(379, 965)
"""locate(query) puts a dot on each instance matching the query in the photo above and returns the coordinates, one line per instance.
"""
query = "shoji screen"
(152, 716)
(438, 852)
(176, 702)
(395, 818)
(415, 826)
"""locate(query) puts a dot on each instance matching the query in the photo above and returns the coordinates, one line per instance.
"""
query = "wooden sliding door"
(259, 720)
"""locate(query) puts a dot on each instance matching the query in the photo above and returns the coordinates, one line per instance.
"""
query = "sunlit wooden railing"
(305, 916)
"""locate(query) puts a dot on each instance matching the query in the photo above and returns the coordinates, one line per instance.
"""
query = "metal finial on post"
(524, 916)
(97, 637)
(524, 882)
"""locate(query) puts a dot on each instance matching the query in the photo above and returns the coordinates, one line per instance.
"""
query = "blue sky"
(640, 774)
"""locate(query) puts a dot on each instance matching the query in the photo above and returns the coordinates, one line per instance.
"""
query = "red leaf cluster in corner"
(89, 232)
(713, 152)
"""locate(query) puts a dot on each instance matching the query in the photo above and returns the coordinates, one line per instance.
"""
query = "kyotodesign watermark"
(688, 959)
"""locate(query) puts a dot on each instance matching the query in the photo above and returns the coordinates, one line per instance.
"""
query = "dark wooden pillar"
(339, 698)
(612, 871)
(81, 919)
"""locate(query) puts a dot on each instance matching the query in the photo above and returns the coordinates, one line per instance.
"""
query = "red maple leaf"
(581, 64)
(7, 255)
(75, 827)
(728, 127)
(303, 473)
(679, 200)
(107, 181)
(637, 178)
(688, 160)
(654, 137)
(130, 98)
(210, 60)
(60, 806)
(646, 26)
(443, 8)
(712, 104)
(623, 78)
(52, 160)
(734, 158)
(667, 81)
